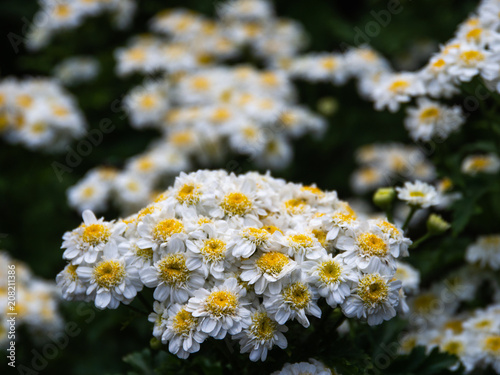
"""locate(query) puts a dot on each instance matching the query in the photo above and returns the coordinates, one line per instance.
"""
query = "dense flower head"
(226, 255)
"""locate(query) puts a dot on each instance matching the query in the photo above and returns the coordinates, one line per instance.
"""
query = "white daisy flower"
(260, 335)
(171, 278)
(474, 164)
(70, 284)
(294, 301)
(111, 280)
(160, 231)
(300, 245)
(267, 270)
(87, 242)
(331, 277)
(419, 194)
(485, 252)
(221, 310)
(409, 277)
(247, 240)
(395, 89)
(374, 298)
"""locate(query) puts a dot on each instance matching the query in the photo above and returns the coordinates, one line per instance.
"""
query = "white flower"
(474, 164)
(332, 278)
(419, 194)
(267, 270)
(111, 281)
(179, 328)
(247, 240)
(485, 252)
(374, 298)
(301, 245)
(221, 310)
(209, 246)
(261, 334)
(87, 242)
(171, 278)
(70, 284)
(294, 301)
(313, 368)
(409, 277)
(432, 119)
(160, 231)
(394, 89)
(368, 248)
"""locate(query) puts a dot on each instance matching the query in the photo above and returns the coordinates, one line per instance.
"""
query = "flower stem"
(409, 217)
(425, 237)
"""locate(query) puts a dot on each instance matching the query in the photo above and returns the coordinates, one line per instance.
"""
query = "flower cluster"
(205, 110)
(57, 15)
(39, 114)
(35, 304)
(240, 256)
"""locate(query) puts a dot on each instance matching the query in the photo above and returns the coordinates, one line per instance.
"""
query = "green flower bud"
(437, 225)
(383, 197)
(155, 344)
(327, 106)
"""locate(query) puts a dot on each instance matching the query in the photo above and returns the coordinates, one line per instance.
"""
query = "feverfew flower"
(419, 194)
(474, 164)
(485, 252)
(395, 89)
(432, 119)
(87, 242)
(111, 280)
(375, 298)
(314, 368)
(221, 310)
(294, 301)
(332, 277)
(261, 334)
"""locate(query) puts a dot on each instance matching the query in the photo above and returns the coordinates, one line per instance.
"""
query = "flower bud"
(155, 344)
(383, 197)
(327, 106)
(437, 225)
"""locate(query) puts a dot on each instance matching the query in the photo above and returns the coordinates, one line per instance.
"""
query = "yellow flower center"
(94, 234)
(269, 79)
(329, 63)
(472, 57)
(221, 303)
(320, 236)
(439, 63)
(144, 253)
(425, 303)
(62, 10)
(295, 205)
(474, 34)
(24, 101)
(399, 86)
(453, 347)
(188, 194)
(389, 228)
(263, 327)
(71, 270)
(372, 245)
(271, 229)
(330, 272)
(492, 344)
(297, 295)
(136, 54)
(416, 194)
(173, 270)
(300, 240)
(182, 138)
(236, 204)
(221, 115)
(493, 240)
(148, 101)
(480, 163)
(166, 229)
(272, 262)
(455, 325)
(200, 84)
(257, 236)
(184, 322)
(373, 290)
(429, 114)
(109, 274)
(213, 249)
(312, 189)
(483, 324)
